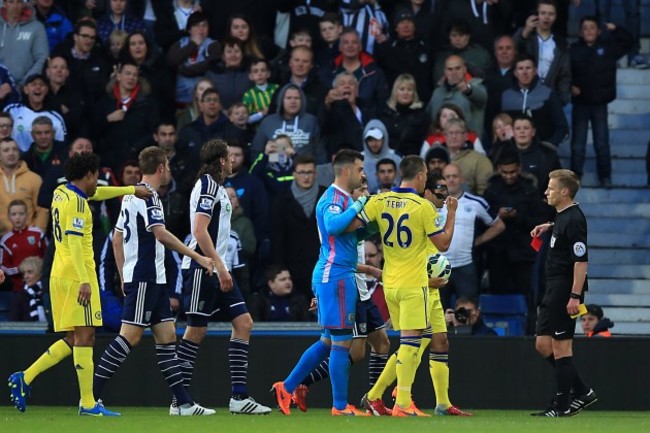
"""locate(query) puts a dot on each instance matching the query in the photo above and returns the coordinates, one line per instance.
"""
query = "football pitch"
(156, 420)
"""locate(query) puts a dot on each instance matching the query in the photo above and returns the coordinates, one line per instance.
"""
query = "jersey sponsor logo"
(156, 214)
(206, 203)
(579, 249)
(334, 209)
(78, 223)
(552, 241)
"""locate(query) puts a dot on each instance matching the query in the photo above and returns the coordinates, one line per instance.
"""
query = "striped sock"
(238, 360)
(170, 368)
(111, 361)
(439, 371)
(186, 353)
(319, 373)
(376, 365)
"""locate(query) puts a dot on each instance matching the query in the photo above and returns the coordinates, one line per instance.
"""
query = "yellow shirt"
(406, 221)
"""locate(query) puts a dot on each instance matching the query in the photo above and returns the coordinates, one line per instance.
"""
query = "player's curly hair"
(79, 165)
(212, 153)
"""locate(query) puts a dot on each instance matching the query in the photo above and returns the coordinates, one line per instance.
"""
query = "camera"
(462, 315)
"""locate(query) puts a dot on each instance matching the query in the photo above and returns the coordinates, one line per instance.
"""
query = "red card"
(536, 243)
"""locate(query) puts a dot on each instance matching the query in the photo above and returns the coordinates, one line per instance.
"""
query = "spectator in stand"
(594, 323)
(254, 46)
(386, 170)
(152, 68)
(258, 98)
(297, 38)
(514, 197)
(344, 116)
(238, 116)
(211, 124)
(89, 67)
(475, 166)
(305, 14)
(437, 158)
(278, 302)
(550, 51)
(498, 78)
(375, 148)
(6, 125)
(116, 41)
(406, 53)
(477, 58)
(467, 315)
(292, 119)
(44, 152)
(302, 74)
(537, 157)
(330, 32)
(21, 242)
(9, 93)
(192, 56)
(437, 137)
(274, 167)
(250, 191)
(182, 11)
(462, 89)
(230, 76)
(404, 116)
(117, 17)
(19, 183)
(33, 106)
(192, 111)
(262, 14)
(632, 10)
(65, 98)
(530, 97)
(471, 209)
(27, 305)
(372, 82)
(502, 134)
(23, 47)
(368, 20)
(126, 116)
(243, 226)
(593, 66)
(130, 173)
(56, 23)
(294, 238)
(426, 23)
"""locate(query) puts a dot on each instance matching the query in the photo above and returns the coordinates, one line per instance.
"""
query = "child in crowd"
(21, 242)
(258, 98)
(274, 166)
(238, 116)
(28, 303)
(330, 32)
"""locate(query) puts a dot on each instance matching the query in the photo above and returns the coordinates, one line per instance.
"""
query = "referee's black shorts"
(552, 317)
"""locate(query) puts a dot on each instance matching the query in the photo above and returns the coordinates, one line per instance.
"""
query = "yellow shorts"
(436, 312)
(408, 308)
(66, 311)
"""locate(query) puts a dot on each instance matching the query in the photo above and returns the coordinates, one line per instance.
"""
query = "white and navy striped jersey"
(361, 278)
(210, 199)
(144, 256)
(470, 209)
(234, 256)
(23, 117)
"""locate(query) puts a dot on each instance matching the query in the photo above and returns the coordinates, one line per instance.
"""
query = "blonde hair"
(399, 81)
(31, 262)
(566, 179)
(195, 98)
(505, 118)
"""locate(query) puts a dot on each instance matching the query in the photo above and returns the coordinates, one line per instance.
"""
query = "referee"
(566, 282)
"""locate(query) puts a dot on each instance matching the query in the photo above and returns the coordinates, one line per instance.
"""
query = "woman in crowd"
(446, 112)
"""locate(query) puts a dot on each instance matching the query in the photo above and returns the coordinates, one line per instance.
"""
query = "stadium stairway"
(619, 217)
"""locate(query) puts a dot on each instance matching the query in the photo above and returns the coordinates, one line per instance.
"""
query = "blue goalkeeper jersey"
(338, 250)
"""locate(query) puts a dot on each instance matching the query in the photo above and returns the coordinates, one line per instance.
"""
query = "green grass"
(156, 420)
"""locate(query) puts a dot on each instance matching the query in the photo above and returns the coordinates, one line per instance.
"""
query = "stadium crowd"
(483, 87)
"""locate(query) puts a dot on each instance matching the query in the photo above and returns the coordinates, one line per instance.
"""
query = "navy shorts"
(202, 297)
(368, 319)
(146, 304)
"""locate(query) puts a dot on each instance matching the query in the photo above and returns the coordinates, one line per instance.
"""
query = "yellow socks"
(439, 369)
(407, 364)
(83, 364)
(52, 356)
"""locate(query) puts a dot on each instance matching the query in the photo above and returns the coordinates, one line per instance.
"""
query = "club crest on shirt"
(206, 203)
(579, 249)
(552, 241)
(31, 240)
(78, 223)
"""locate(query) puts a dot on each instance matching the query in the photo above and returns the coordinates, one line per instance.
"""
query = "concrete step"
(632, 91)
(617, 150)
(639, 210)
(614, 195)
(619, 271)
(625, 136)
(615, 256)
(617, 300)
(628, 314)
(622, 105)
(621, 286)
(622, 227)
(629, 121)
(619, 239)
(590, 179)
(632, 76)
(619, 165)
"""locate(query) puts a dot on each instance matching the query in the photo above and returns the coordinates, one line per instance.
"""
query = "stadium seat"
(5, 304)
(506, 314)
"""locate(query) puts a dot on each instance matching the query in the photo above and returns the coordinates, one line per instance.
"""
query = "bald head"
(454, 177)
(455, 69)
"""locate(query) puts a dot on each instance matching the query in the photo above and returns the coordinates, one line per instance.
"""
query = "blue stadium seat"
(506, 314)
(5, 304)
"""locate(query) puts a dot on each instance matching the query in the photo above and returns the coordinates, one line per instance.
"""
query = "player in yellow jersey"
(74, 290)
(407, 224)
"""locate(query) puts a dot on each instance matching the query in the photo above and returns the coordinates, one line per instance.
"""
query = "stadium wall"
(486, 373)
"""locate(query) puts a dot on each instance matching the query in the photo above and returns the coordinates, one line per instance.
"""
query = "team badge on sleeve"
(206, 203)
(78, 223)
(579, 249)
(334, 209)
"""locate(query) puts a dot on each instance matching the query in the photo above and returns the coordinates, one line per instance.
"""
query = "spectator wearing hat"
(34, 106)
(406, 53)
(376, 148)
(594, 324)
(23, 46)
(437, 158)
